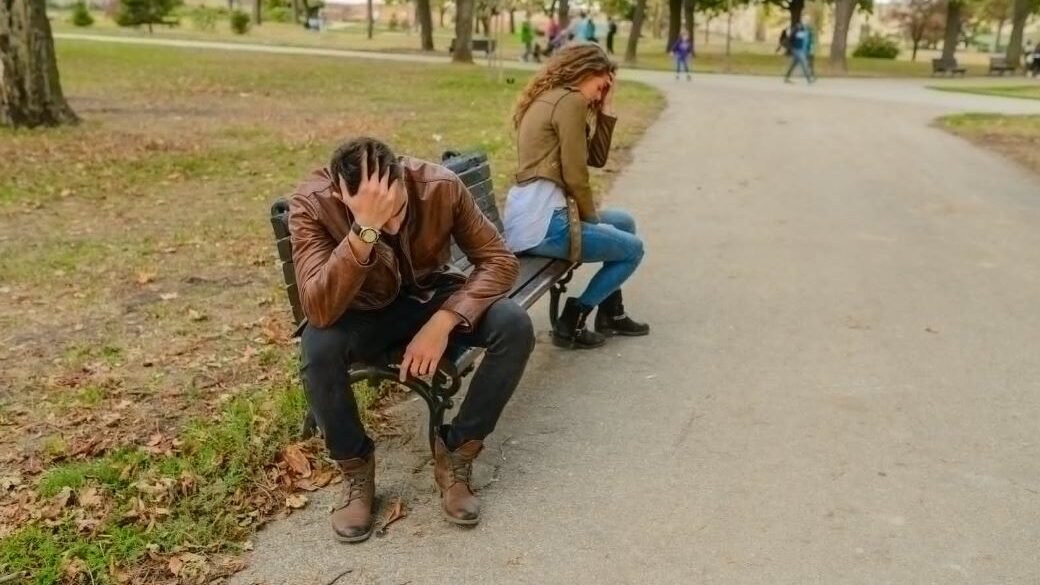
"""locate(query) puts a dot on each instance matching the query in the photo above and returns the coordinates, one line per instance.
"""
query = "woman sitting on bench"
(564, 121)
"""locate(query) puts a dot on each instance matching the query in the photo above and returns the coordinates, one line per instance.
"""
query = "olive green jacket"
(556, 142)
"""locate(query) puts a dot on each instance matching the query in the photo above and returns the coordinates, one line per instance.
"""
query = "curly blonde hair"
(568, 66)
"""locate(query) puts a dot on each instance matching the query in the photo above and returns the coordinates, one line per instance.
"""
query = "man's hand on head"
(427, 347)
(373, 203)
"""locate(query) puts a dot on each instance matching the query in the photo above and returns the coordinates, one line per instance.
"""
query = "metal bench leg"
(437, 404)
(310, 425)
(555, 292)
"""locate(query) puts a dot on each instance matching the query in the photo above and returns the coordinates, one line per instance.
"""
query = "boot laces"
(355, 487)
(461, 471)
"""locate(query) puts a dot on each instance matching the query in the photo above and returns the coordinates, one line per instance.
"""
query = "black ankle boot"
(612, 320)
(570, 331)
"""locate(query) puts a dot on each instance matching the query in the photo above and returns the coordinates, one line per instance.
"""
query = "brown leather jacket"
(331, 280)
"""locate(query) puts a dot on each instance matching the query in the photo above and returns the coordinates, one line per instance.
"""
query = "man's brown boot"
(352, 513)
(452, 470)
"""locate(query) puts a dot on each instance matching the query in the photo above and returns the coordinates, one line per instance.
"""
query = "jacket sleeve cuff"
(344, 252)
(468, 314)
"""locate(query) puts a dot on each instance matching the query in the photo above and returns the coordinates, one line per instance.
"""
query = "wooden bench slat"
(476, 175)
(285, 249)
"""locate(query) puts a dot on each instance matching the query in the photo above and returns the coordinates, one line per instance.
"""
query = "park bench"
(1000, 65)
(488, 46)
(947, 67)
(538, 276)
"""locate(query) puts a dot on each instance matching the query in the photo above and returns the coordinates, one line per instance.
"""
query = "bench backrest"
(475, 172)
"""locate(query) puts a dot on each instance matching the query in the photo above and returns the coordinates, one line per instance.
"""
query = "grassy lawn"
(1029, 92)
(148, 390)
(1017, 137)
(747, 58)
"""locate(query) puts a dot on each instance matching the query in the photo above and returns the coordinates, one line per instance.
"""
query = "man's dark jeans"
(505, 330)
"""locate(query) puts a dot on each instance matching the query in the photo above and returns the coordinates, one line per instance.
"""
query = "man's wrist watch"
(368, 235)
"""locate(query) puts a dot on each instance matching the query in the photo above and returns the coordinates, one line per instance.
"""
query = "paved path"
(841, 385)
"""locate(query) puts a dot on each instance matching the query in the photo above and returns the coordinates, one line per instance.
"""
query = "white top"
(529, 208)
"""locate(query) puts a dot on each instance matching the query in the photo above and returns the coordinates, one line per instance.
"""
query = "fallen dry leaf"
(90, 498)
(396, 512)
(297, 461)
(145, 277)
(73, 568)
(296, 501)
(9, 482)
(57, 504)
(155, 439)
(322, 478)
(196, 316)
(168, 296)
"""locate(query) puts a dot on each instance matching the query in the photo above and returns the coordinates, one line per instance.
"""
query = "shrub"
(877, 47)
(81, 15)
(239, 22)
(148, 12)
(204, 18)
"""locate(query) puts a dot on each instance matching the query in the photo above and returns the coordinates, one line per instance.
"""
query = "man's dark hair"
(346, 161)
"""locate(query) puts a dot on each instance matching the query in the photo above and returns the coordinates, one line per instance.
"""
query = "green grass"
(218, 463)
(171, 173)
(1029, 92)
(1017, 137)
(1023, 126)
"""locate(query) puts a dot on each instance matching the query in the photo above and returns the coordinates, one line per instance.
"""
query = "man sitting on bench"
(371, 238)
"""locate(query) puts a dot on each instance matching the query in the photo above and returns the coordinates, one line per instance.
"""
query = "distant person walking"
(682, 50)
(527, 38)
(588, 32)
(798, 41)
(611, 31)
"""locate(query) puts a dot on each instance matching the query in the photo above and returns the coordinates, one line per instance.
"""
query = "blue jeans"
(681, 64)
(612, 242)
(799, 59)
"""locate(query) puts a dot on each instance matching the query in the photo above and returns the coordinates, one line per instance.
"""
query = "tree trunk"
(1019, 16)
(424, 14)
(843, 10)
(512, 21)
(256, 14)
(797, 7)
(370, 16)
(443, 10)
(953, 31)
(30, 89)
(1000, 33)
(707, 28)
(637, 30)
(674, 23)
(485, 22)
(564, 15)
(463, 32)
(657, 22)
(689, 6)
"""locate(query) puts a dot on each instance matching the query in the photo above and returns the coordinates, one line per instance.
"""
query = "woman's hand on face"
(606, 102)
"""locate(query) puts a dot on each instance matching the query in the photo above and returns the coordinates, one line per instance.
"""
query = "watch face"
(369, 235)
